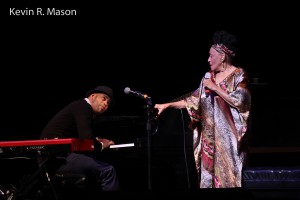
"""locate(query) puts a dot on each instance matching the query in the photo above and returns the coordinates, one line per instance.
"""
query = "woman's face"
(215, 60)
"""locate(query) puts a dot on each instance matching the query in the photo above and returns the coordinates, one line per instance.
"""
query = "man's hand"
(105, 142)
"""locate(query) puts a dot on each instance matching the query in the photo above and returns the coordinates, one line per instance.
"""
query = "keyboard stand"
(39, 180)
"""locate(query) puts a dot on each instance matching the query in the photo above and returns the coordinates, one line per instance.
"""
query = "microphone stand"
(149, 146)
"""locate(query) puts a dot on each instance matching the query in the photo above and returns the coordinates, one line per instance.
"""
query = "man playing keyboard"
(75, 121)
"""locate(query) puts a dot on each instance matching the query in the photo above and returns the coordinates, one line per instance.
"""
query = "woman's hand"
(209, 84)
(161, 107)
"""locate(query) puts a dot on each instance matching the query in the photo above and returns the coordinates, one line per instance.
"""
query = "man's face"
(100, 102)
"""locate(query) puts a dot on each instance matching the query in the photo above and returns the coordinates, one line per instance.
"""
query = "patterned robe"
(220, 131)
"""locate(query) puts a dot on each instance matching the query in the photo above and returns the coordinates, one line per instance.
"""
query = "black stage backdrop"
(160, 49)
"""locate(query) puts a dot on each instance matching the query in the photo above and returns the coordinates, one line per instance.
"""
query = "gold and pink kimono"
(219, 131)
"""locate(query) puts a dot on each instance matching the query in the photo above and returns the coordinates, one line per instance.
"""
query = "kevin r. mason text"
(42, 11)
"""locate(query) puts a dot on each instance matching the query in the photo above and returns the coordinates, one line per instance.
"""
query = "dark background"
(159, 49)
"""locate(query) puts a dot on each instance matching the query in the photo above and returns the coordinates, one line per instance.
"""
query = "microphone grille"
(207, 75)
(127, 90)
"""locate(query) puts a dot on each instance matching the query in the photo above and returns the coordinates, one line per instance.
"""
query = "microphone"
(207, 76)
(136, 93)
